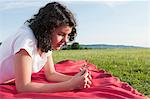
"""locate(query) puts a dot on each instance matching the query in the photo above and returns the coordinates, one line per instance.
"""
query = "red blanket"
(105, 86)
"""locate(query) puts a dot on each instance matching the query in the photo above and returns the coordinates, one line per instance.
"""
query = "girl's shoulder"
(26, 31)
(25, 40)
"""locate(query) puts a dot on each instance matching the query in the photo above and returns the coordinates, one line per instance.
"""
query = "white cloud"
(12, 4)
(113, 3)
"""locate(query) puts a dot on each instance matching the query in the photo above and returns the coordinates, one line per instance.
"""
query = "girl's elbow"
(21, 88)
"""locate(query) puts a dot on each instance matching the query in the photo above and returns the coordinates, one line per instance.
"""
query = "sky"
(116, 22)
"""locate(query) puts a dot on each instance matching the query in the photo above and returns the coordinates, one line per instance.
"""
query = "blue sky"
(123, 22)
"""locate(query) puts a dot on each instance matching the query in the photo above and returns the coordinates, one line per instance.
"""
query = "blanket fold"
(105, 86)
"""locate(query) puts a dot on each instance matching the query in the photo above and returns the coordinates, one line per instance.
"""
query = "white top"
(23, 39)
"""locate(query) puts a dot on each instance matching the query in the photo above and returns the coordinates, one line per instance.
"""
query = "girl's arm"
(23, 70)
(51, 74)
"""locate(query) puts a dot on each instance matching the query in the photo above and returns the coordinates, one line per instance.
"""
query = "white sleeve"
(49, 53)
(24, 42)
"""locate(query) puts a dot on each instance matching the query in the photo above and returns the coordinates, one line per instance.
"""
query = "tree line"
(73, 46)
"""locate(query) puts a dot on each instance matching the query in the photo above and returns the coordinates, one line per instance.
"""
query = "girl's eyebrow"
(61, 32)
(64, 33)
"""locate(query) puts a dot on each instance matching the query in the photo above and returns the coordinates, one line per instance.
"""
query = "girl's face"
(60, 36)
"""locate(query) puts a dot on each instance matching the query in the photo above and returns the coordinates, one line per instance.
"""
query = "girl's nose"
(65, 39)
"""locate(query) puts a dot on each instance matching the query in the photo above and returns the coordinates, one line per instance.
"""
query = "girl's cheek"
(60, 38)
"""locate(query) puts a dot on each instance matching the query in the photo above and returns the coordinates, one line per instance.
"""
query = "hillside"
(107, 46)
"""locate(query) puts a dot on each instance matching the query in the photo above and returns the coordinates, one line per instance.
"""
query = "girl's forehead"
(64, 29)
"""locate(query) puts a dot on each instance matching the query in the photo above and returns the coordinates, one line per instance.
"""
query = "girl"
(31, 49)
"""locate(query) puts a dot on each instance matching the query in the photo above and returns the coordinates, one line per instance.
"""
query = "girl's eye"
(61, 34)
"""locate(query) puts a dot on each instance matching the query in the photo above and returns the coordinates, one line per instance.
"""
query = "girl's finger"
(85, 66)
(88, 86)
(90, 76)
(88, 81)
(86, 74)
(81, 69)
(85, 85)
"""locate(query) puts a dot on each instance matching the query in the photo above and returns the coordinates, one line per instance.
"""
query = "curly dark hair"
(47, 20)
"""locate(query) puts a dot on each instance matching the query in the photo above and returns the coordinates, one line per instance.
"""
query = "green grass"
(131, 65)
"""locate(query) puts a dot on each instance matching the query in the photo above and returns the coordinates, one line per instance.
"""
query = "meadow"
(131, 65)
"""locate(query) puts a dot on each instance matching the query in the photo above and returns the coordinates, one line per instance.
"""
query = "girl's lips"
(59, 45)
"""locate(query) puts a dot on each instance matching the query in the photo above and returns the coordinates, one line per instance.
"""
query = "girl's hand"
(81, 80)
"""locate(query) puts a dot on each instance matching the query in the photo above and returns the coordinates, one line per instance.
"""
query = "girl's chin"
(56, 48)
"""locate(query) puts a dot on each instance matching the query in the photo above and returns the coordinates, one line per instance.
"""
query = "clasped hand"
(82, 79)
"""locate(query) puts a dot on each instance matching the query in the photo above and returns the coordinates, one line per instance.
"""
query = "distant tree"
(75, 45)
(66, 47)
(0, 43)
